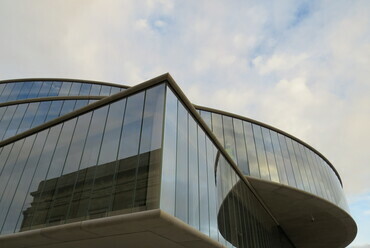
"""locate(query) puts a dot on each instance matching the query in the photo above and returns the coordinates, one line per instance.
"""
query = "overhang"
(152, 228)
(308, 220)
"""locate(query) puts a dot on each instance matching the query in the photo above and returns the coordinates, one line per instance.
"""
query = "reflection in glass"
(69, 171)
(45, 88)
(15, 91)
(112, 132)
(261, 153)
(129, 144)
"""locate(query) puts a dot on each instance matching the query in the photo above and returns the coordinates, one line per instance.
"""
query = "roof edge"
(64, 80)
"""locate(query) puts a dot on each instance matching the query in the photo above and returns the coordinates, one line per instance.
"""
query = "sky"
(301, 66)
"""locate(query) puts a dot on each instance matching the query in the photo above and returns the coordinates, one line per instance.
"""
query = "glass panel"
(2, 111)
(14, 178)
(68, 106)
(29, 116)
(105, 90)
(4, 156)
(64, 90)
(327, 184)
(193, 174)
(251, 149)
(300, 166)
(57, 188)
(206, 116)
(293, 160)
(23, 94)
(203, 183)
(6, 92)
(319, 175)
(307, 167)
(262, 162)
(314, 172)
(45, 88)
(15, 91)
(287, 162)
(49, 190)
(85, 90)
(279, 158)
(75, 89)
(94, 138)
(78, 142)
(55, 88)
(229, 136)
(114, 90)
(151, 134)
(16, 120)
(168, 193)
(181, 210)
(217, 127)
(4, 124)
(15, 213)
(129, 144)
(36, 87)
(8, 166)
(2, 86)
(270, 155)
(32, 216)
(95, 90)
(80, 104)
(41, 114)
(54, 110)
(112, 132)
(241, 149)
(212, 194)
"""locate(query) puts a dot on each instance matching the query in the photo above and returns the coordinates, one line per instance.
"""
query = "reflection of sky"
(302, 66)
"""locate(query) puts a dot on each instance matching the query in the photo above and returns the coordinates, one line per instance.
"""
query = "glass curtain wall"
(101, 163)
(35, 89)
(15, 119)
(201, 188)
(264, 153)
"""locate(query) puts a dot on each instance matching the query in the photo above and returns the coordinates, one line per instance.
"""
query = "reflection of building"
(75, 192)
(90, 164)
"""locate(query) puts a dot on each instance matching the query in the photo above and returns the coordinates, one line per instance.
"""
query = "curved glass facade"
(200, 187)
(264, 153)
(141, 149)
(12, 91)
(108, 161)
(15, 119)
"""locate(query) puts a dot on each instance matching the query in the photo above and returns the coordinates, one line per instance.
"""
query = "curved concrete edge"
(308, 220)
(151, 228)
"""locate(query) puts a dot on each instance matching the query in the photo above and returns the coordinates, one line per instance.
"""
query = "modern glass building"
(93, 164)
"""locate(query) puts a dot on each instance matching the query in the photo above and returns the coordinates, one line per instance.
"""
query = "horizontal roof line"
(18, 80)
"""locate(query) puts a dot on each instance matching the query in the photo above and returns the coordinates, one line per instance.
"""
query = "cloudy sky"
(302, 66)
